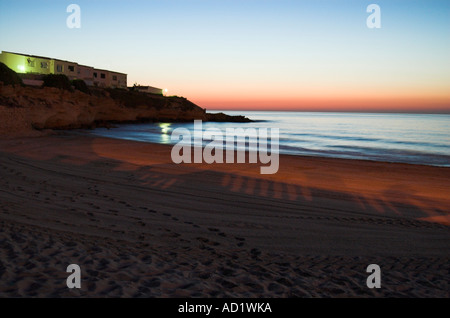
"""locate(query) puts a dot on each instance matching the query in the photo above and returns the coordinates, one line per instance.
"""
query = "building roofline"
(99, 69)
(64, 61)
(40, 57)
(146, 86)
(50, 58)
(36, 56)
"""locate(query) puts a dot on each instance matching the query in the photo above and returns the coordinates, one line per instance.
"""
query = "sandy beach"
(139, 225)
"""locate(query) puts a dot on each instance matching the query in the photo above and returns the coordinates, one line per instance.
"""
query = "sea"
(405, 138)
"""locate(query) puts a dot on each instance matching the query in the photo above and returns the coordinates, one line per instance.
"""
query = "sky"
(312, 55)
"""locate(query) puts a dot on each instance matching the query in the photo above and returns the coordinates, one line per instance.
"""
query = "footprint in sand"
(240, 240)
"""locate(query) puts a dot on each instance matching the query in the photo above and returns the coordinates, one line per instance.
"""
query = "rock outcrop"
(26, 110)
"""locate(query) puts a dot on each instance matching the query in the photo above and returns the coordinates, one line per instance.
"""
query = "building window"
(71, 68)
(102, 75)
(59, 68)
(95, 74)
(44, 65)
(114, 78)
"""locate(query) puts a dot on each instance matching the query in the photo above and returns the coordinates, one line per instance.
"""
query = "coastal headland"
(33, 111)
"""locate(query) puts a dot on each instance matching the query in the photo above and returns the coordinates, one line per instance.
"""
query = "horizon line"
(337, 111)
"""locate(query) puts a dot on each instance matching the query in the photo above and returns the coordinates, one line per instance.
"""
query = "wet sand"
(140, 226)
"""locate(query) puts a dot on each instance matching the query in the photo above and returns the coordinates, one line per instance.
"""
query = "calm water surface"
(407, 138)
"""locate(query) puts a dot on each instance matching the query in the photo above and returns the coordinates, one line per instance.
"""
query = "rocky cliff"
(26, 110)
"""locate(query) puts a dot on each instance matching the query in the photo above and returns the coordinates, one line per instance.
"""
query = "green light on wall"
(21, 68)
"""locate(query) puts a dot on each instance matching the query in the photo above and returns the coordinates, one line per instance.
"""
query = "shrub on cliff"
(133, 99)
(80, 85)
(57, 80)
(8, 76)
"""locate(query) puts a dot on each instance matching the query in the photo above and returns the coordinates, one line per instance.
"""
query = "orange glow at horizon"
(325, 96)
(439, 104)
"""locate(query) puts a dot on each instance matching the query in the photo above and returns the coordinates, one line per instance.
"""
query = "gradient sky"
(253, 54)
